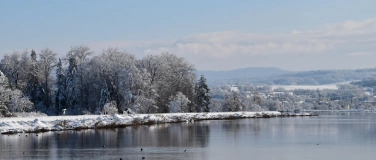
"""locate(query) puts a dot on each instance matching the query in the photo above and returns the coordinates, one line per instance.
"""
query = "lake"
(328, 136)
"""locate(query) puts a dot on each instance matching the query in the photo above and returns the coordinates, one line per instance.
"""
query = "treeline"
(368, 82)
(319, 77)
(113, 80)
(263, 98)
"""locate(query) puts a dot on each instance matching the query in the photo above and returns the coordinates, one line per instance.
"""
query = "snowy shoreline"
(59, 123)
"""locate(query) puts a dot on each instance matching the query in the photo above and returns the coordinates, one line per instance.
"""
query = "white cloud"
(351, 38)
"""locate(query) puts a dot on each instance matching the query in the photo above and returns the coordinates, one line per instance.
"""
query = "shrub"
(110, 108)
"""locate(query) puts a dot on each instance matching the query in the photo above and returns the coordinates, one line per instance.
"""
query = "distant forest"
(368, 82)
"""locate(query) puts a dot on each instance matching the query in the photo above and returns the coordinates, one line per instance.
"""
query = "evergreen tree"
(105, 96)
(80, 53)
(72, 90)
(202, 95)
(34, 90)
(60, 96)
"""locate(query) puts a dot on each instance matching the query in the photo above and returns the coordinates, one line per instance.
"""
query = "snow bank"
(58, 123)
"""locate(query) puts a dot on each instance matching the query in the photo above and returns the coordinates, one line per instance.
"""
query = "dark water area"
(328, 136)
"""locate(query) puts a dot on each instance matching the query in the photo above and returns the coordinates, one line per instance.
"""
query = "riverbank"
(59, 123)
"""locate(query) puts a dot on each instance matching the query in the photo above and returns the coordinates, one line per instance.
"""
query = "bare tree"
(170, 74)
(47, 61)
(16, 68)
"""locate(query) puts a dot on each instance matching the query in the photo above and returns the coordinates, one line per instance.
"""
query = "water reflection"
(120, 142)
(331, 136)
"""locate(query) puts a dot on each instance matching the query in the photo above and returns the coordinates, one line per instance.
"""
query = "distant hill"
(242, 73)
(368, 82)
(318, 77)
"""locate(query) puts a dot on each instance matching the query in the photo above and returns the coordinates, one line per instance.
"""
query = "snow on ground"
(58, 123)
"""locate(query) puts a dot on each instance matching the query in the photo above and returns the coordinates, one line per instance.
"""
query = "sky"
(293, 35)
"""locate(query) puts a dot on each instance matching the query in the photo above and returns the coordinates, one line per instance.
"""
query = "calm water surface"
(332, 136)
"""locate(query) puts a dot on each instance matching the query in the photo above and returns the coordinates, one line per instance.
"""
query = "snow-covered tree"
(232, 103)
(72, 90)
(17, 102)
(16, 68)
(216, 105)
(11, 100)
(105, 95)
(3, 80)
(81, 53)
(110, 108)
(60, 96)
(114, 68)
(144, 85)
(34, 90)
(139, 94)
(3, 97)
(179, 103)
(128, 84)
(202, 95)
(47, 61)
(170, 74)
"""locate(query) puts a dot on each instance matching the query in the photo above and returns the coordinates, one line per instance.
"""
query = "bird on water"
(141, 149)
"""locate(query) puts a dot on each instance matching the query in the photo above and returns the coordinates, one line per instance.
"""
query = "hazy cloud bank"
(230, 49)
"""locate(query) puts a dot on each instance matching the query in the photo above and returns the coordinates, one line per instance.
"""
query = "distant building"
(234, 89)
(368, 102)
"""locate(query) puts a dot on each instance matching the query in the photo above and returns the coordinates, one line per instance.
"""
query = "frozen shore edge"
(60, 123)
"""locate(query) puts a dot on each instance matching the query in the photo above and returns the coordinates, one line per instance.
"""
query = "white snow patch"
(309, 87)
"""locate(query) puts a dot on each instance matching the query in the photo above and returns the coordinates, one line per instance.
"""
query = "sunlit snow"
(58, 123)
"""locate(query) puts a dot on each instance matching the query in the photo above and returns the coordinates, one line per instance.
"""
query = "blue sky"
(290, 34)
